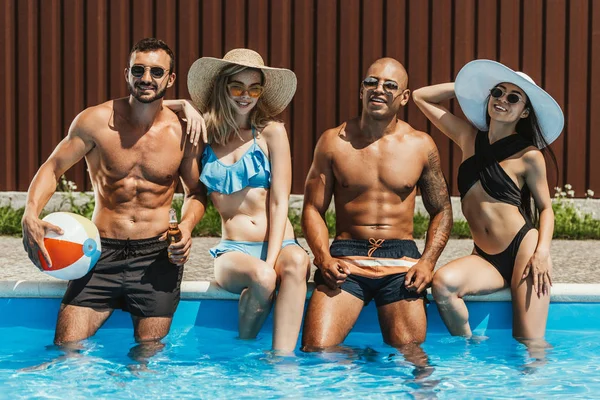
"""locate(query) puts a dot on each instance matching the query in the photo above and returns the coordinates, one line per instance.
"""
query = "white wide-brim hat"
(472, 88)
(279, 85)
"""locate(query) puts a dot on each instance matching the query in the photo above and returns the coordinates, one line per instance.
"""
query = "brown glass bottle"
(174, 233)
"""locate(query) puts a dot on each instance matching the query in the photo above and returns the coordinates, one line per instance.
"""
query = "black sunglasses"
(372, 83)
(155, 72)
(512, 98)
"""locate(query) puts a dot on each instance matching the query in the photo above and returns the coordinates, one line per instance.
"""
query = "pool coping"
(203, 290)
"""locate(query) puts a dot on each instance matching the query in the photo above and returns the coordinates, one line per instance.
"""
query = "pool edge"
(190, 290)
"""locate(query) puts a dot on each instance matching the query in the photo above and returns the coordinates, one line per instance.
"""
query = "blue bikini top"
(253, 169)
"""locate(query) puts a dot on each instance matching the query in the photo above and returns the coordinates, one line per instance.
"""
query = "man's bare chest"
(397, 171)
(151, 157)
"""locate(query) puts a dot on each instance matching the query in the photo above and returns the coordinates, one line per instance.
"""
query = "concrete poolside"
(574, 261)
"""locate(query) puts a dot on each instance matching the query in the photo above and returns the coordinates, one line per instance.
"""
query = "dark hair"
(529, 128)
(151, 44)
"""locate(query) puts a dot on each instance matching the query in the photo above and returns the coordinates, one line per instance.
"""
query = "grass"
(570, 222)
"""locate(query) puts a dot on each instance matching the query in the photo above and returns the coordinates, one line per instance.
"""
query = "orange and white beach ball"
(76, 251)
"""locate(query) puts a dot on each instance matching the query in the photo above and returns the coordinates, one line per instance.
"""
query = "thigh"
(470, 275)
(77, 323)
(330, 316)
(403, 322)
(152, 286)
(235, 271)
(530, 312)
(147, 329)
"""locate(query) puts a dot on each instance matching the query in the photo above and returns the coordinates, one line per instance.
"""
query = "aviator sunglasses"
(156, 72)
(512, 98)
(372, 83)
(237, 90)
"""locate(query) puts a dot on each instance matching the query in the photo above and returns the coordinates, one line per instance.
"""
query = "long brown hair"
(220, 117)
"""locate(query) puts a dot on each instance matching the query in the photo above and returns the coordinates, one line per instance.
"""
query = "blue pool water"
(205, 360)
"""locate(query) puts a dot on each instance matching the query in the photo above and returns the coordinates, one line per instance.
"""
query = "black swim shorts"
(385, 290)
(133, 275)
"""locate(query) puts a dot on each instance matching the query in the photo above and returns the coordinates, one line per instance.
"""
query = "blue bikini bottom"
(255, 249)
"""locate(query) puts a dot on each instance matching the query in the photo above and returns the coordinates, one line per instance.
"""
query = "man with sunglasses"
(372, 166)
(136, 151)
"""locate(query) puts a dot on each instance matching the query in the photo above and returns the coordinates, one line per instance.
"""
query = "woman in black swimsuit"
(510, 120)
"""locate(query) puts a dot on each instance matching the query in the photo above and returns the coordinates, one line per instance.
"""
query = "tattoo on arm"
(436, 200)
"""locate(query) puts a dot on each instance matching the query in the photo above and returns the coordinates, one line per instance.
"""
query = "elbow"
(417, 96)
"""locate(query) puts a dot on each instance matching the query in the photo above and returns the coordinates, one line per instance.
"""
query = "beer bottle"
(173, 234)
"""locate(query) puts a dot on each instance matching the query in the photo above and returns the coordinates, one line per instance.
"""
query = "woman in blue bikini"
(510, 120)
(246, 167)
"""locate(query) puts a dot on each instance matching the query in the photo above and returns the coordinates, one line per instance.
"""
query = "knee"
(265, 278)
(295, 267)
(150, 339)
(445, 284)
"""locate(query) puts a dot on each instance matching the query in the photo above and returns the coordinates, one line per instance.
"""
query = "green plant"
(569, 221)
(83, 206)
(209, 225)
(10, 221)
(295, 219)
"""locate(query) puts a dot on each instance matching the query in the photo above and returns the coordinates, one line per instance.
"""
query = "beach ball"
(76, 251)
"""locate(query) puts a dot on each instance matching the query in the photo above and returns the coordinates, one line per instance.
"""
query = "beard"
(136, 93)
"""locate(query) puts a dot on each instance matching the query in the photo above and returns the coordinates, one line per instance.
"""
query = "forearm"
(174, 105)
(41, 190)
(438, 233)
(192, 211)
(316, 234)
(435, 93)
(278, 214)
(546, 230)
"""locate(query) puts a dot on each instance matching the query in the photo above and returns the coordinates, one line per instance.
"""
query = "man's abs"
(365, 218)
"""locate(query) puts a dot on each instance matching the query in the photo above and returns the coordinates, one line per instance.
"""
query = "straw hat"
(279, 85)
(472, 88)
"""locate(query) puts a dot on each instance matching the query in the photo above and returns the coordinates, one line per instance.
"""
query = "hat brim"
(476, 78)
(279, 86)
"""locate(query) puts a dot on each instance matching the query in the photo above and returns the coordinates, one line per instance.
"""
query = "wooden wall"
(60, 56)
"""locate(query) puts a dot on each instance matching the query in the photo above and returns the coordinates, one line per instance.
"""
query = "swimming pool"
(203, 359)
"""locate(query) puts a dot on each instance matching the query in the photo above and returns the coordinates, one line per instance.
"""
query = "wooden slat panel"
(50, 79)
(372, 33)
(27, 58)
(73, 76)
(487, 29)
(189, 43)
(280, 56)
(441, 71)
(96, 52)
(8, 111)
(119, 44)
(142, 21)
(464, 51)
(212, 43)
(302, 123)
(395, 44)
(258, 39)
(326, 71)
(509, 33)
(418, 57)
(349, 56)
(577, 95)
(554, 77)
(166, 22)
(334, 40)
(235, 25)
(166, 30)
(594, 115)
(533, 39)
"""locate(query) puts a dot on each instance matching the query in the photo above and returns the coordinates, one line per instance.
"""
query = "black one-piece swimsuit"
(484, 167)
